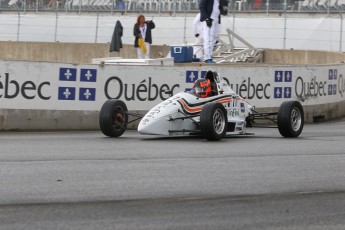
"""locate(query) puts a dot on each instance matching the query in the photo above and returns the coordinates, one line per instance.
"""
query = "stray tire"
(113, 118)
(290, 119)
(213, 121)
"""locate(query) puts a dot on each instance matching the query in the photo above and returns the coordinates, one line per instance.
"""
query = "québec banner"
(56, 86)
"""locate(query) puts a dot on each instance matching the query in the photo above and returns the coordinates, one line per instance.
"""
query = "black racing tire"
(113, 118)
(290, 119)
(213, 121)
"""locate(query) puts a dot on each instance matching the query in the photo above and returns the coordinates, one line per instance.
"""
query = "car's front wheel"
(113, 118)
(290, 119)
(213, 121)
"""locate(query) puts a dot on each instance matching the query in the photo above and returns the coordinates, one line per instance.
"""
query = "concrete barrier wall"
(84, 52)
(68, 52)
(302, 57)
(38, 120)
(50, 96)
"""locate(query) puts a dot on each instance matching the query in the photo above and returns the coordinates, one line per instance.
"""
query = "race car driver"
(202, 88)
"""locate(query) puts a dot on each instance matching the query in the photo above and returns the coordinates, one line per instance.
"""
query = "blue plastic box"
(182, 53)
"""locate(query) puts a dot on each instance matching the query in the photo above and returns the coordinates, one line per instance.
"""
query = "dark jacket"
(148, 36)
(206, 8)
(116, 42)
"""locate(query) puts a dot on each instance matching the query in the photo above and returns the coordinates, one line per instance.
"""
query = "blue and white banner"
(68, 74)
(55, 86)
(87, 94)
(88, 75)
(66, 93)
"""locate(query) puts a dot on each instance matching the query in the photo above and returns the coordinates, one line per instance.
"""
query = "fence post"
(341, 33)
(56, 27)
(184, 27)
(79, 10)
(36, 6)
(96, 36)
(18, 26)
(285, 19)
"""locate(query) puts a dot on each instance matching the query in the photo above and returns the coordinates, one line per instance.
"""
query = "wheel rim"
(119, 118)
(296, 119)
(218, 121)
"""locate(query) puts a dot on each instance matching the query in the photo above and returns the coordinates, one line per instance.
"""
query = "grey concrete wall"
(68, 52)
(38, 120)
(88, 120)
(84, 52)
(307, 57)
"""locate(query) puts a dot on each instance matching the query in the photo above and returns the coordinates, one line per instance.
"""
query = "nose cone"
(156, 121)
(159, 126)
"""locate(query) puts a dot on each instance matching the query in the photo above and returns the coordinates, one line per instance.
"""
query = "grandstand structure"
(175, 6)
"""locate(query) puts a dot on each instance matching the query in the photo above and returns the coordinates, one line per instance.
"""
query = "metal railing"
(172, 6)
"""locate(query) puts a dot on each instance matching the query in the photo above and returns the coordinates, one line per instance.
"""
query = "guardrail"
(172, 6)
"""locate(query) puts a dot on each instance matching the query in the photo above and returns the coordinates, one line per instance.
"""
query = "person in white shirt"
(210, 14)
(198, 28)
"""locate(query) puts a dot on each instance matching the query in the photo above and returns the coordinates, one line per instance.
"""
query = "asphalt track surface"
(83, 180)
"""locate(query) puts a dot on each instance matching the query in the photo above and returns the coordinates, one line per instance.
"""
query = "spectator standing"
(142, 29)
(198, 28)
(210, 14)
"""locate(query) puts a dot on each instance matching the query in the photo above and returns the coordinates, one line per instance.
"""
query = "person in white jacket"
(198, 28)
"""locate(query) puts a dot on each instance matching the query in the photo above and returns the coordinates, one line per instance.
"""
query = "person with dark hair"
(143, 36)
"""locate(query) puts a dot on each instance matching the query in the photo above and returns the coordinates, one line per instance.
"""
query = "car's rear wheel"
(113, 118)
(213, 121)
(290, 119)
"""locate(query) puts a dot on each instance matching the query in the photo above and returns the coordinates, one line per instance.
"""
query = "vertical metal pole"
(233, 5)
(79, 7)
(56, 27)
(159, 7)
(18, 26)
(328, 4)
(284, 39)
(233, 15)
(267, 6)
(67, 4)
(97, 27)
(184, 30)
(174, 5)
(341, 33)
(36, 6)
(112, 7)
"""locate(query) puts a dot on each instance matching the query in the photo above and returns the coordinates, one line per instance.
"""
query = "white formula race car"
(222, 112)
